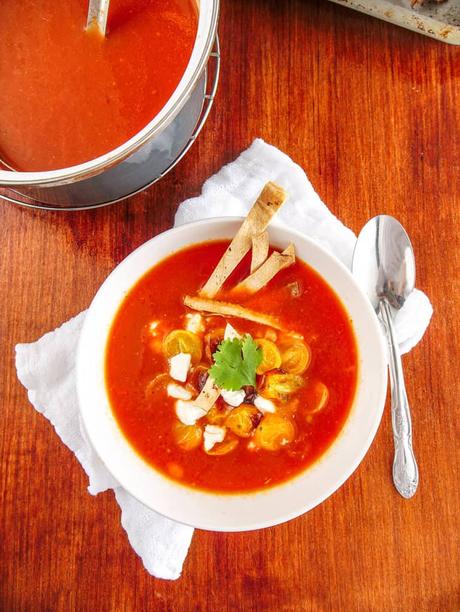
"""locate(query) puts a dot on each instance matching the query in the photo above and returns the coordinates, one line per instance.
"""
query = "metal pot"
(148, 155)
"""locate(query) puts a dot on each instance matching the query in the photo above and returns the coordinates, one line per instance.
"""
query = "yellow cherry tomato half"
(316, 397)
(274, 432)
(187, 437)
(281, 386)
(295, 357)
(183, 341)
(271, 358)
(223, 448)
(242, 420)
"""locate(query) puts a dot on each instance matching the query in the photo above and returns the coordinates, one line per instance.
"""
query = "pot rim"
(206, 33)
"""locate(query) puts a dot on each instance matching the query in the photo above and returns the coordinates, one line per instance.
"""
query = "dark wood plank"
(372, 113)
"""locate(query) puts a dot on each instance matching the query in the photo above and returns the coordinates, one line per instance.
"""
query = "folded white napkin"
(47, 367)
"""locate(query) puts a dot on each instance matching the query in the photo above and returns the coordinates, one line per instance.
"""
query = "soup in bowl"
(224, 398)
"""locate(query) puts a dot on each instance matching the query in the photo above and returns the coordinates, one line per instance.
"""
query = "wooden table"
(372, 112)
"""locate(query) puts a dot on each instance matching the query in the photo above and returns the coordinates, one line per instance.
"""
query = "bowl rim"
(86, 406)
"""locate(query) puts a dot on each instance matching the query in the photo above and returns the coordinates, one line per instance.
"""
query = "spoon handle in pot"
(405, 470)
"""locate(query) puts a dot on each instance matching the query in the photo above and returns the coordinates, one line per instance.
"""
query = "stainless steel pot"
(148, 155)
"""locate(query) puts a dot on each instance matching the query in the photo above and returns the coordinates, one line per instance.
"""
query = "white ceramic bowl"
(229, 512)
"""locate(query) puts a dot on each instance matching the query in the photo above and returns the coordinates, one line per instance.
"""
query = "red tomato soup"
(310, 381)
(68, 95)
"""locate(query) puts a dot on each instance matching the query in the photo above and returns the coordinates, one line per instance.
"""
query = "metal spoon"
(98, 11)
(384, 265)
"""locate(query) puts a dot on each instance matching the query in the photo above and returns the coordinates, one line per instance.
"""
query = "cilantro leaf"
(235, 363)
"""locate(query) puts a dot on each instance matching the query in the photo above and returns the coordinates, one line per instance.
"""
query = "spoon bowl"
(384, 263)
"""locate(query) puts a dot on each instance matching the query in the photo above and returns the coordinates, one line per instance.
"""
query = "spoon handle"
(405, 470)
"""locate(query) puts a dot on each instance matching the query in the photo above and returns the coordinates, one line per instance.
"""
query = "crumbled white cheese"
(178, 392)
(264, 405)
(153, 327)
(212, 435)
(230, 332)
(179, 365)
(233, 398)
(194, 323)
(188, 413)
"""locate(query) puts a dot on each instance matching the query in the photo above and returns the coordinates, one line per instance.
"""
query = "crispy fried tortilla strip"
(264, 274)
(260, 246)
(208, 396)
(267, 204)
(230, 310)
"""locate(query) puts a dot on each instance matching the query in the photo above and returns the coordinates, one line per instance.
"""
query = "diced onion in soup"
(233, 398)
(178, 392)
(188, 413)
(179, 366)
(212, 435)
(194, 323)
(230, 332)
(153, 328)
(264, 404)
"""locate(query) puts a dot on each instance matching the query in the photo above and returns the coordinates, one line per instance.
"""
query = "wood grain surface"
(372, 112)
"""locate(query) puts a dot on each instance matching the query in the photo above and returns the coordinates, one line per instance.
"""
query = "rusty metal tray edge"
(441, 22)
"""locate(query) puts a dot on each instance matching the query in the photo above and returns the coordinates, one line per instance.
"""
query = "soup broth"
(311, 413)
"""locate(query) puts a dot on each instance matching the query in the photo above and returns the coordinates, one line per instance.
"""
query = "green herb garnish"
(235, 363)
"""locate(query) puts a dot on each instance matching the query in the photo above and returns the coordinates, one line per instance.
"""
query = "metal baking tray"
(438, 20)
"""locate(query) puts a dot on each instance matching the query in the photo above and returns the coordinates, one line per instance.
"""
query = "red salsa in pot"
(68, 95)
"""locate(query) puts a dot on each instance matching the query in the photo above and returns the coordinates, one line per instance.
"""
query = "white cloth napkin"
(47, 367)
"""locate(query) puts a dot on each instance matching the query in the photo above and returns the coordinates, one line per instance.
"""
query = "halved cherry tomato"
(187, 437)
(183, 341)
(271, 358)
(316, 397)
(243, 420)
(223, 448)
(281, 386)
(274, 432)
(295, 357)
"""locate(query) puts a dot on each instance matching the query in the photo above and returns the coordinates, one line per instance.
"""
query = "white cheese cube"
(188, 413)
(233, 398)
(153, 328)
(212, 435)
(179, 366)
(230, 332)
(194, 323)
(264, 405)
(178, 392)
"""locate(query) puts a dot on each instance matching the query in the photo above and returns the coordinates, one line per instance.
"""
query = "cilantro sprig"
(235, 363)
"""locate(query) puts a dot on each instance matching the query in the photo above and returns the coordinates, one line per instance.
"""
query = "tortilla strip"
(230, 310)
(260, 246)
(208, 396)
(266, 205)
(275, 263)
